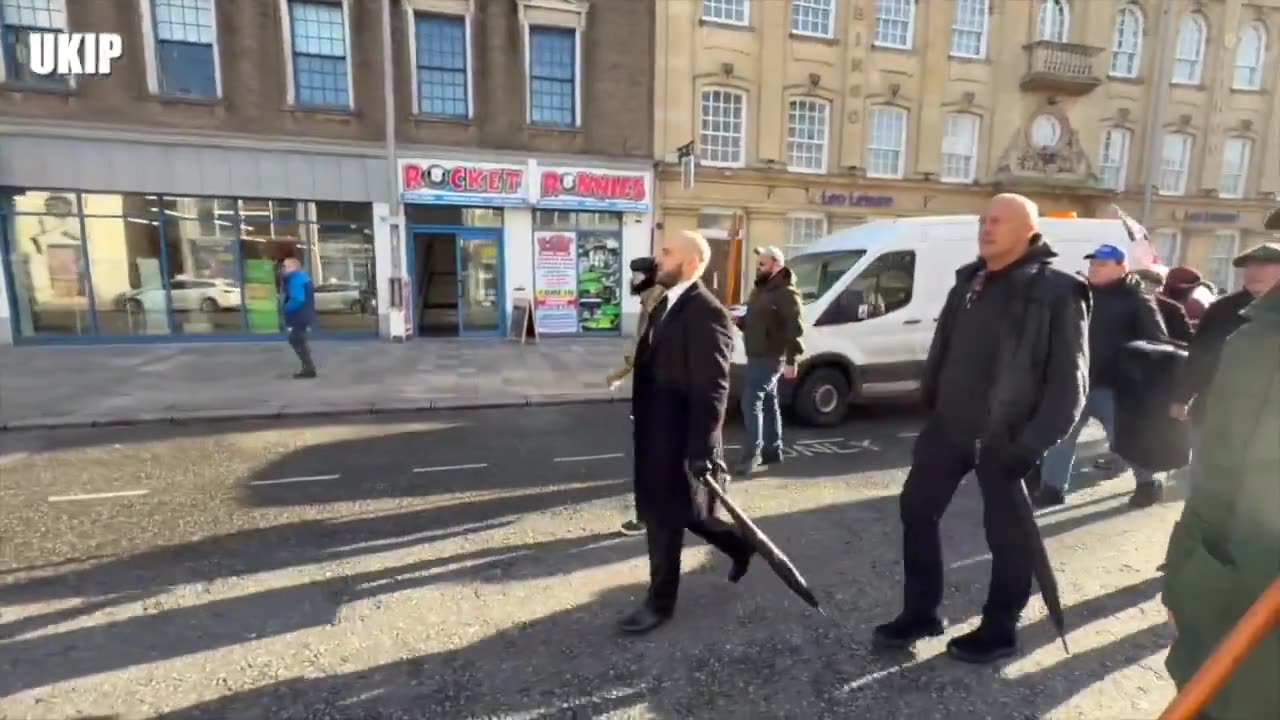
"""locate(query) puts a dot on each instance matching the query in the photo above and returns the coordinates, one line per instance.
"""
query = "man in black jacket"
(1261, 271)
(679, 393)
(1122, 313)
(771, 332)
(1005, 379)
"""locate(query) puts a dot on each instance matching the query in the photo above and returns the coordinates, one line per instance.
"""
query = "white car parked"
(189, 294)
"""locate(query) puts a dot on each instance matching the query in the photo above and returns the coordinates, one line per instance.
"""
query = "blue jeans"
(761, 416)
(1100, 405)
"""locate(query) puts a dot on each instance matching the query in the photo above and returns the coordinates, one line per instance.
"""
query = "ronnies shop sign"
(582, 189)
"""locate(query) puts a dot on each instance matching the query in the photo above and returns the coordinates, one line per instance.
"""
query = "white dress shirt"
(674, 294)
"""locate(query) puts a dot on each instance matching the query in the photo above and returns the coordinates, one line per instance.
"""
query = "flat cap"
(1264, 253)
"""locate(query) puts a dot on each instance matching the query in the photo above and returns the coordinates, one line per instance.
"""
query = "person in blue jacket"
(299, 313)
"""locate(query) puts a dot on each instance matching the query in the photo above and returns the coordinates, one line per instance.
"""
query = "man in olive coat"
(1225, 549)
(679, 393)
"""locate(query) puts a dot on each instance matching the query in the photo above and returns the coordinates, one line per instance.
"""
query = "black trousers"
(665, 545)
(298, 341)
(937, 468)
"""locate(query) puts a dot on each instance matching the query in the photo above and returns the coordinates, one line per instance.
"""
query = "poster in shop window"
(261, 298)
(599, 282)
(555, 282)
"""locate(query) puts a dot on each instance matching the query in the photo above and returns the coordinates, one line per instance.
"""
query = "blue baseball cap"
(1107, 252)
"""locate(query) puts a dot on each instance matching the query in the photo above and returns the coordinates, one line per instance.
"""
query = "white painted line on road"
(441, 468)
(732, 447)
(908, 434)
(307, 478)
(98, 496)
(827, 440)
(580, 458)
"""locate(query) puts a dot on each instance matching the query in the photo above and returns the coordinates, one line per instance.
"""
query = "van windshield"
(815, 273)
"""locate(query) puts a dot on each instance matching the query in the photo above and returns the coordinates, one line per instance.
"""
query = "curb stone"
(197, 417)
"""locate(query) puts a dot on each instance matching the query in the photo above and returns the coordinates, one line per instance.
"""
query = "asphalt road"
(466, 565)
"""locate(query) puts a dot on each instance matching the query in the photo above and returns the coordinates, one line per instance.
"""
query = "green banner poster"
(260, 296)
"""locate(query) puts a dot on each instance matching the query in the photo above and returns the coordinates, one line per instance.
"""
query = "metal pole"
(1155, 113)
(394, 226)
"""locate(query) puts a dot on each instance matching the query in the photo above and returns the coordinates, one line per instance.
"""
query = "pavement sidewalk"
(53, 387)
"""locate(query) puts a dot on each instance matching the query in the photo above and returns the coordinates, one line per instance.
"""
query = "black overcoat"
(679, 393)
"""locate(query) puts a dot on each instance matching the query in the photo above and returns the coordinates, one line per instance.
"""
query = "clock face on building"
(1046, 131)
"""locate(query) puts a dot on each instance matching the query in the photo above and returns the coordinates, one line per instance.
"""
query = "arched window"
(1054, 20)
(1126, 43)
(1188, 53)
(1250, 54)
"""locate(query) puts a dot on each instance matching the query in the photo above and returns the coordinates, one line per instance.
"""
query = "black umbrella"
(1045, 578)
(781, 565)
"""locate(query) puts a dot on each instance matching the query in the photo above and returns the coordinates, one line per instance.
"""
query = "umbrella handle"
(1261, 618)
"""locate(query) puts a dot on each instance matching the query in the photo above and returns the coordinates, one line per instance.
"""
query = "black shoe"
(741, 565)
(771, 458)
(1047, 497)
(304, 375)
(642, 620)
(901, 632)
(632, 528)
(745, 466)
(984, 645)
(1146, 495)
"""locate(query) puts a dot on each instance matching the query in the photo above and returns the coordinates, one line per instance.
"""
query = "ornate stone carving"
(1066, 163)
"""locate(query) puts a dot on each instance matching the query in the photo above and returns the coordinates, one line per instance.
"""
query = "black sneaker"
(745, 466)
(1047, 497)
(632, 528)
(304, 375)
(901, 632)
(984, 645)
(771, 458)
(1146, 495)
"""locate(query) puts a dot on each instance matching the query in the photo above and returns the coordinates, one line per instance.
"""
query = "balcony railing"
(1065, 68)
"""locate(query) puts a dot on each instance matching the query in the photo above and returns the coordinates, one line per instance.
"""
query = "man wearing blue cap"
(1122, 313)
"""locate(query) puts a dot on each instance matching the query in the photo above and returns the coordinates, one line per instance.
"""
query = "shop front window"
(342, 272)
(48, 267)
(200, 236)
(125, 264)
(112, 265)
(577, 271)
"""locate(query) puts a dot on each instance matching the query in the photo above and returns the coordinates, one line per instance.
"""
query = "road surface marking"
(908, 434)
(828, 440)
(440, 468)
(588, 457)
(98, 496)
(732, 447)
(305, 478)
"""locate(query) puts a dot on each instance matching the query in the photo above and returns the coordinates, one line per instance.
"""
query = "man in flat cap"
(1260, 267)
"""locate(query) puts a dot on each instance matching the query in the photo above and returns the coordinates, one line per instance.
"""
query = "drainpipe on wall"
(1155, 121)
(398, 309)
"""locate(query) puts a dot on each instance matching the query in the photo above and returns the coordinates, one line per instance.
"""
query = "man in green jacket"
(1225, 549)
(771, 331)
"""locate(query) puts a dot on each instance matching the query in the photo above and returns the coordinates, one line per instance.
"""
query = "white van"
(857, 352)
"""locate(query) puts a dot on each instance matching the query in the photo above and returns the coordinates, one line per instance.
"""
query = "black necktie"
(659, 311)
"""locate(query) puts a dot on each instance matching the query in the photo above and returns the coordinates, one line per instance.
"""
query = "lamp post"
(1155, 114)
(397, 326)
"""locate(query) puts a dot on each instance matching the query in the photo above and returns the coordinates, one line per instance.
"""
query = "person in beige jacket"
(644, 274)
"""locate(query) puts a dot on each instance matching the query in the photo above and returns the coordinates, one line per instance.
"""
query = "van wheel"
(822, 398)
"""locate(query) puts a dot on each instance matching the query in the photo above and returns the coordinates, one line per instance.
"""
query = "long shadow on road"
(565, 655)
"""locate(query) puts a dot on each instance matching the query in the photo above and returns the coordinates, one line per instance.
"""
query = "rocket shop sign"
(585, 189)
(449, 182)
